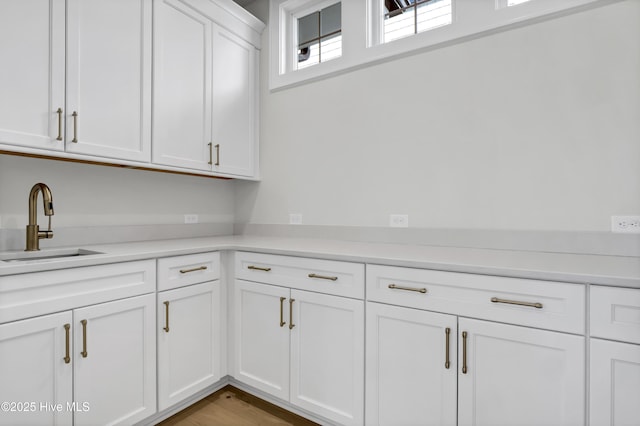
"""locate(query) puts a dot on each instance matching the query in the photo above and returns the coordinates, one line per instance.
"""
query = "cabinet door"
(182, 87)
(327, 356)
(115, 361)
(519, 376)
(411, 367)
(615, 383)
(262, 337)
(109, 78)
(234, 103)
(32, 37)
(188, 341)
(34, 371)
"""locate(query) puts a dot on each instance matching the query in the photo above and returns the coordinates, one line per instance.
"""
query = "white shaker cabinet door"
(517, 376)
(234, 110)
(36, 369)
(115, 362)
(32, 51)
(411, 367)
(109, 78)
(327, 356)
(262, 337)
(182, 87)
(188, 341)
(615, 384)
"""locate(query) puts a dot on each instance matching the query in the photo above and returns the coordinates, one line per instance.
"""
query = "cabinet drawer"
(179, 271)
(543, 304)
(28, 295)
(323, 276)
(615, 313)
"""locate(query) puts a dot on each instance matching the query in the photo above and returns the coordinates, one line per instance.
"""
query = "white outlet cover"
(399, 220)
(295, 219)
(625, 224)
(190, 218)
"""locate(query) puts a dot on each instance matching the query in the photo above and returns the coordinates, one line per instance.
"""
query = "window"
(403, 18)
(320, 36)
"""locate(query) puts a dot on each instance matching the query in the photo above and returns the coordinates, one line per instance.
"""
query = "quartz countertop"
(574, 268)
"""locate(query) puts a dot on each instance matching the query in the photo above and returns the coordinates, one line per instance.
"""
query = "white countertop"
(605, 270)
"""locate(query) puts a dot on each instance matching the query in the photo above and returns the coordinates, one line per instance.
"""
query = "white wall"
(90, 195)
(535, 128)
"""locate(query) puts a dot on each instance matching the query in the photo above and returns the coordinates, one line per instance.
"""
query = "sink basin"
(44, 255)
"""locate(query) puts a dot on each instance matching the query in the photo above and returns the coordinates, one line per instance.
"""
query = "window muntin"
(319, 36)
(403, 18)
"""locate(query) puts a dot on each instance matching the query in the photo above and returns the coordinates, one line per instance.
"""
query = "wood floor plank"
(232, 407)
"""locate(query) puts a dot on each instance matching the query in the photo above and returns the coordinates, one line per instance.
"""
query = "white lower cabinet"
(615, 383)
(188, 341)
(411, 367)
(114, 364)
(511, 375)
(90, 366)
(303, 347)
(34, 371)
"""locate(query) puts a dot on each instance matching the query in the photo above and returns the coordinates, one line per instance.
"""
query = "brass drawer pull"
(515, 302)
(84, 339)
(322, 277)
(397, 287)
(282, 322)
(291, 324)
(166, 316)
(447, 363)
(210, 153)
(464, 352)
(258, 268)
(67, 332)
(186, 271)
(217, 155)
(75, 127)
(59, 112)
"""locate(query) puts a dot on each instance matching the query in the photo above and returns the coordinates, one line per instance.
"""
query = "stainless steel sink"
(45, 255)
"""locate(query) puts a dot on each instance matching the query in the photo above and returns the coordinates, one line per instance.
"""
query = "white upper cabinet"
(234, 108)
(205, 91)
(182, 86)
(32, 37)
(108, 110)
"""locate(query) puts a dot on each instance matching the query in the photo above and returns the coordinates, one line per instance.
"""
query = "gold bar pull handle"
(258, 268)
(322, 277)
(217, 155)
(464, 352)
(210, 153)
(516, 302)
(166, 316)
(398, 287)
(282, 321)
(447, 333)
(75, 127)
(59, 112)
(199, 268)
(84, 339)
(291, 324)
(67, 332)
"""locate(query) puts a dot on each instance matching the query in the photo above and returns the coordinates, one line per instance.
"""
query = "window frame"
(362, 32)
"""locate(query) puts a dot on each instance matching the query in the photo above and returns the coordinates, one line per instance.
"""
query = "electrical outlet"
(190, 218)
(295, 219)
(399, 220)
(625, 224)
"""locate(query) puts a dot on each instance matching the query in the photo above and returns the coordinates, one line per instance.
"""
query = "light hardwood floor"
(233, 407)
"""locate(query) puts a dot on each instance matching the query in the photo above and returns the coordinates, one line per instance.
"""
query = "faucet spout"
(33, 230)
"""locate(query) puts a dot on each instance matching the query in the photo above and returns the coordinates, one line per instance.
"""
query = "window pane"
(308, 29)
(320, 36)
(400, 18)
(331, 19)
